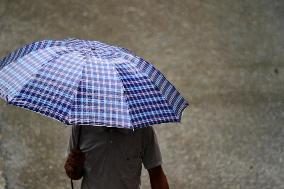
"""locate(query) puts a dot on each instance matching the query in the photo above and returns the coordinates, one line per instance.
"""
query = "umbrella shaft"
(79, 136)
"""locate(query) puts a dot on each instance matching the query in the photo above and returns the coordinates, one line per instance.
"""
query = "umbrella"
(88, 82)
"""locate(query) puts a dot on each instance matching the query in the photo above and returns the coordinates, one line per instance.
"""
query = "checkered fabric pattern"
(84, 82)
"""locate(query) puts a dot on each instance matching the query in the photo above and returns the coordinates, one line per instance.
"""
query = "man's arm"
(158, 179)
(152, 160)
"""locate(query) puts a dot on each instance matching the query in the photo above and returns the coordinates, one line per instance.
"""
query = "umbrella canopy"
(87, 82)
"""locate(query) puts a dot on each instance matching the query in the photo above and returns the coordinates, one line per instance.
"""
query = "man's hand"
(157, 178)
(74, 164)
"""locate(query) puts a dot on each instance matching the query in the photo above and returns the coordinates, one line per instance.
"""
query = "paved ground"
(226, 57)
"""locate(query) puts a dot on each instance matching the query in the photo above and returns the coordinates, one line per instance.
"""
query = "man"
(114, 157)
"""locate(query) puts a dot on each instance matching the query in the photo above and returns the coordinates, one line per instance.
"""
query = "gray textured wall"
(225, 57)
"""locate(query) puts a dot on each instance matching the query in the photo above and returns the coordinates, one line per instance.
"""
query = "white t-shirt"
(114, 156)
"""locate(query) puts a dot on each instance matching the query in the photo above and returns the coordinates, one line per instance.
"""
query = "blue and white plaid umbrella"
(84, 82)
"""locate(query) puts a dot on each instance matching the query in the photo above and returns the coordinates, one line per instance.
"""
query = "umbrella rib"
(183, 103)
(39, 68)
(27, 49)
(124, 96)
(74, 97)
(142, 72)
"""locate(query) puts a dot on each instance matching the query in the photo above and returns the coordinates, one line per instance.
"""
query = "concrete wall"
(226, 57)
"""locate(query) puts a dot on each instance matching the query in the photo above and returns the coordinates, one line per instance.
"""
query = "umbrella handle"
(72, 186)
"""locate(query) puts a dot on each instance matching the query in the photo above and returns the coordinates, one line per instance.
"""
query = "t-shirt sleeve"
(151, 152)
